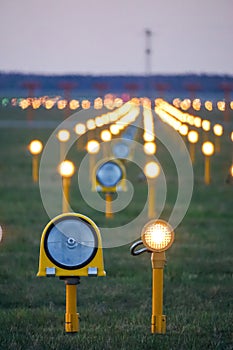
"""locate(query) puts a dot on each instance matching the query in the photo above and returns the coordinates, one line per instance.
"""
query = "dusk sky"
(108, 37)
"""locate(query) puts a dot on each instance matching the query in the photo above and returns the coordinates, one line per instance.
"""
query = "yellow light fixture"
(157, 236)
(208, 151)
(232, 136)
(66, 169)
(35, 148)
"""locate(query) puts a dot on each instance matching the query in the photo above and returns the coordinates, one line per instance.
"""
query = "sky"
(108, 37)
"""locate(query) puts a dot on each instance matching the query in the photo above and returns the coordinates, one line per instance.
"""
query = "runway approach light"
(109, 177)
(70, 248)
(208, 151)
(157, 236)
(35, 148)
(66, 170)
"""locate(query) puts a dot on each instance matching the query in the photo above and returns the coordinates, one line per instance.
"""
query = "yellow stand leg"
(71, 317)
(192, 152)
(158, 320)
(151, 200)
(91, 165)
(207, 170)
(108, 208)
(35, 166)
(66, 195)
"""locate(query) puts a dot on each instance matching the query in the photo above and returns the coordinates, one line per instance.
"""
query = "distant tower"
(148, 51)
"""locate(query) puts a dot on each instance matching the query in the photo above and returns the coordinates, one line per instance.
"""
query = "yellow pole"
(217, 144)
(62, 151)
(158, 320)
(71, 317)
(207, 170)
(192, 152)
(151, 199)
(108, 208)
(66, 194)
(35, 164)
(91, 165)
(205, 136)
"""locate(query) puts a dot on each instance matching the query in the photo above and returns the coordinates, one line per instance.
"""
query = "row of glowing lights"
(119, 120)
(174, 117)
(196, 104)
(49, 103)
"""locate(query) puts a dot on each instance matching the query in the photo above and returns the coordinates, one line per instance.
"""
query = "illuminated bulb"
(86, 104)
(148, 137)
(149, 148)
(105, 135)
(35, 147)
(183, 129)
(93, 147)
(197, 122)
(157, 235)
(74, 104)
(91, 124)
(218, 130)
(206, 125)
(193, 136)
(208, 148)
(63, 135)
(114, 129)
(232, 136)
(152, 170)
(80, 129)
(66, 168)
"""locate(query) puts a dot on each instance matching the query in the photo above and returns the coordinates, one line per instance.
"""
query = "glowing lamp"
(193, 136)
(208, 148)
(93, 147)
(66, 168)
(35, 147)
(183, 129)
(105, 135)
(218, 130)
(206, 125)
(63, 135)
(80, 129)
(157, 235)
(152, 170)
(149, 148)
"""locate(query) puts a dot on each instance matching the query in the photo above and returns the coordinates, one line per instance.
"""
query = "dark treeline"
(21, 84)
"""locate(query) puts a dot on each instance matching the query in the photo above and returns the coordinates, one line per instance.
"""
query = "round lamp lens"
(120, 150)
(71, 243)
(66, 168)
(109, 174)
(157, 235)
(35, 147)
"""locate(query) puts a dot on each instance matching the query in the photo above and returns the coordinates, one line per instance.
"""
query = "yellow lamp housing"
(71, 246)
(109, 176)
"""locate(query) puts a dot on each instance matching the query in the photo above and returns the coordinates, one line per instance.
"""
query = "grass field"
(115, 311)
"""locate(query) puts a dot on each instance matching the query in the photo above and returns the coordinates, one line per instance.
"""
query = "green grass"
(115, 311)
